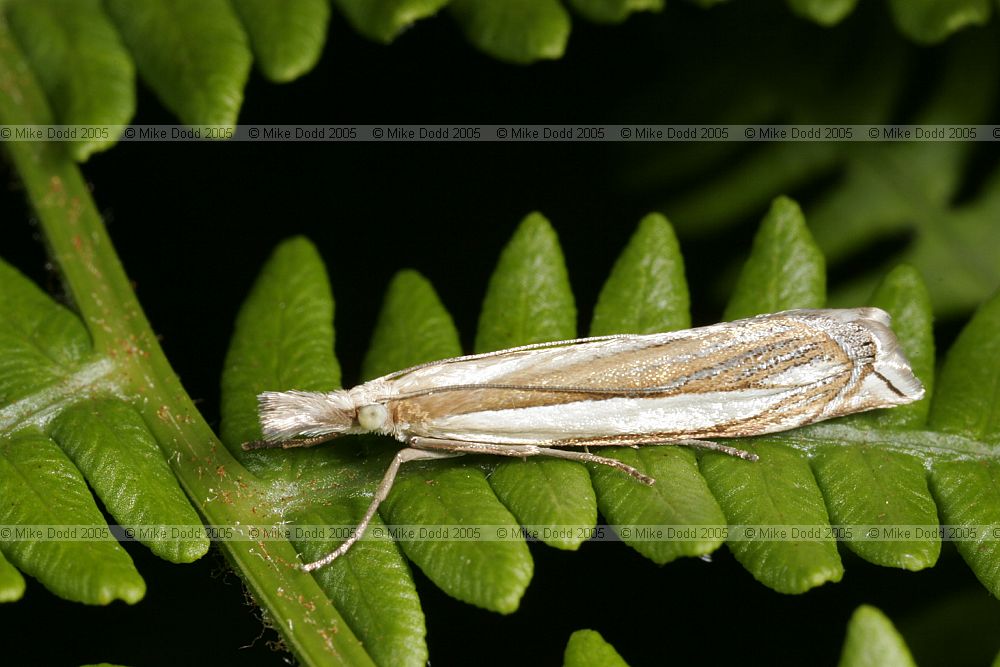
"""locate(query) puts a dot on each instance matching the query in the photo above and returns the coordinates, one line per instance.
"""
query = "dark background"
(194, 222)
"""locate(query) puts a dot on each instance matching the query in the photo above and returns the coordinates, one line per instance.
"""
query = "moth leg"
(289, 444)
(522, 451)
(654, 440)
(402, 456)
(718, 447)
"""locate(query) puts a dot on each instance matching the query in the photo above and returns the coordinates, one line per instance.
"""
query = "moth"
(752, 376)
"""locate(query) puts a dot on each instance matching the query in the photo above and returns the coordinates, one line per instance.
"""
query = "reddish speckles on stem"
(326, 638)
(56, 195)
(75, 210)
(266, 555)
(129, 347)
(163, 413)
(221, 471)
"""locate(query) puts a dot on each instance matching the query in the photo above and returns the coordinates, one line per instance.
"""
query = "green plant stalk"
(929, 446)
(221, 489)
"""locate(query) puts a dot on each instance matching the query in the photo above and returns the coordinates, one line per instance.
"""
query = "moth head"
(866, 336)
(891, 381)
(305, 414)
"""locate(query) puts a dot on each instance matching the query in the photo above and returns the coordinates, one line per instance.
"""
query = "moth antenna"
(288, 444)
(260, 444)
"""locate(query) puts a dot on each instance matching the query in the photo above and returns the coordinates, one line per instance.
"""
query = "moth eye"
(372, 417)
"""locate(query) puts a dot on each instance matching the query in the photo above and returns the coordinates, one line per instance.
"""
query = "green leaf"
(968, 393)
(11, 581)
(925, 21)
(785, 270)
(118, 455)
(196, 56)
(679, 497)
(872, 641)
(286, 37)
(556, 495)
(518, 31)
(967, 495)
(371, 584)
(413, 328)
(493, 574)
(868, 485)
(824, 12)
(647, 293)
(80, 61)
(41, 344)
(587, 648)
(47, 357)
(47, 365)
(968, 402)
(384, 20)
(283, 339)
(930, 21)
(529, 300)
(614, 11)
(42, 488)
(52, 330)
(129, 363)
(778, 490)
(192, 53)
(357, 475)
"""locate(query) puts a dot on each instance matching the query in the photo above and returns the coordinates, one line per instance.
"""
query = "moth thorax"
(372, 417)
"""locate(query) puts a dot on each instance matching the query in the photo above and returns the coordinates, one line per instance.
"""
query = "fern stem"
(929, 446)
(222, 490)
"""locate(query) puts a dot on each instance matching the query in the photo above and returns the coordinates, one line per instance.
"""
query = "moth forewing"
(754, 376)
(759, 375)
